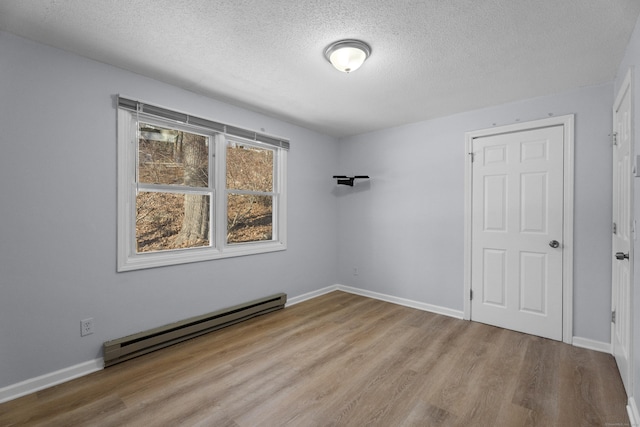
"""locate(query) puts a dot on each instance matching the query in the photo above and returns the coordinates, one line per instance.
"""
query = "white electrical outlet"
(86, 327)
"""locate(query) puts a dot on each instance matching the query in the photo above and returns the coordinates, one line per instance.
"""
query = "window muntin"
(242, 206)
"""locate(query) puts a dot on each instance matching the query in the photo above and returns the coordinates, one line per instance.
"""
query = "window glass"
(171, 221)
(250, 171)
(249, 218)
(170, 156)
(249, 167)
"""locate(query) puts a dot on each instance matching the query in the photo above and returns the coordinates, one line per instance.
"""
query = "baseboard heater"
(121, 349)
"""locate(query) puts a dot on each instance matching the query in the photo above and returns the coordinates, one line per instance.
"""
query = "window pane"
(249, 218)
(170, 156)
(249, 168)
(171, 221)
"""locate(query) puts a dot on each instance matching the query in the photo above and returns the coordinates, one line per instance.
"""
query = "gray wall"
(631, 61)
(58, 215)
(403, 229)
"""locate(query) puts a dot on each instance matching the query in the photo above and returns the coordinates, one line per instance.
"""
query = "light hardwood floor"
(343, 360)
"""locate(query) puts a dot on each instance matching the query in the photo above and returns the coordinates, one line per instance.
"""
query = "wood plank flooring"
(343, 360)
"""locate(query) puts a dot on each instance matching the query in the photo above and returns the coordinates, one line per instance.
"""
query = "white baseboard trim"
(603, 347)
(32, 385)
(576, 341)
(376, 295)
(402, 301)
(632, 411)
(310, 295)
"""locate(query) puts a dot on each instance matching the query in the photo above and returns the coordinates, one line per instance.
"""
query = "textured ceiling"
(430, 58)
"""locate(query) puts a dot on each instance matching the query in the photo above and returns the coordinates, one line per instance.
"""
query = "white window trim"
(127, 257)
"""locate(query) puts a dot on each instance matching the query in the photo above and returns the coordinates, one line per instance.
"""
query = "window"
(249, 192)
(190, 189)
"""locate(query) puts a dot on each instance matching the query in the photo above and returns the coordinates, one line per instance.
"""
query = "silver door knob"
(554, 244)
(621, 256)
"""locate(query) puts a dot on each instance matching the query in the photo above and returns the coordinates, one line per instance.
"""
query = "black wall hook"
(348, 180)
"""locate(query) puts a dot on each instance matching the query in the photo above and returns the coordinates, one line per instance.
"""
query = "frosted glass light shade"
(347, 55)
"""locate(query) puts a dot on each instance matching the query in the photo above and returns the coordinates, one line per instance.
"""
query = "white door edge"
(567, 122)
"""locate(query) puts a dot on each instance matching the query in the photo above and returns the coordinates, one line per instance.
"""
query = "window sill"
(162, 259)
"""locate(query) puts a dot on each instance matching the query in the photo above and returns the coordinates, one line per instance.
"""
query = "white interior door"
(517, 230)
(622, 235)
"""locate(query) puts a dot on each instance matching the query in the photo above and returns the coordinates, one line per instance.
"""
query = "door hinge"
(613, 316)
(471, 294)
(472, 156)
(614, 138)
(615, 228)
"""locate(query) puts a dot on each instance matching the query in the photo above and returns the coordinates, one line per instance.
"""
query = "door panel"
(494, 282)
(517, 209)
(533, 210)
(622, 238)
(533, 282)
(495, 206)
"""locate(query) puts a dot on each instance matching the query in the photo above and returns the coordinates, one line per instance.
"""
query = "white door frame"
(567, 239)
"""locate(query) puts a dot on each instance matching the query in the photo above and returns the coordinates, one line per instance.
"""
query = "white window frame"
(129, 259)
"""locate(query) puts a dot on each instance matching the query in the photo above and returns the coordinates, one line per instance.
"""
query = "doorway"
(519, 227)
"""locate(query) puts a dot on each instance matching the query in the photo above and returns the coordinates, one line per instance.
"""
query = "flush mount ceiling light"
(347, 55)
